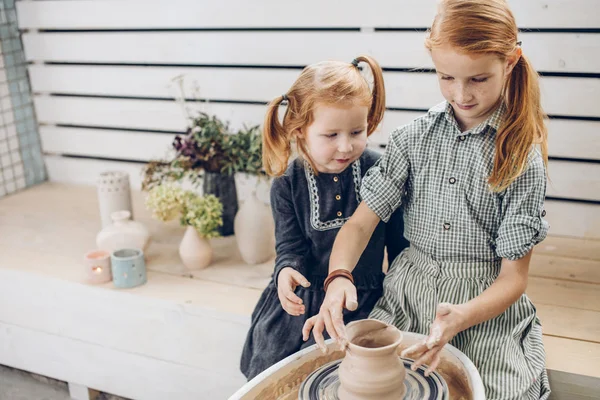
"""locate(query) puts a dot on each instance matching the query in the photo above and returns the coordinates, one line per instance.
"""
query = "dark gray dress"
(309, 210)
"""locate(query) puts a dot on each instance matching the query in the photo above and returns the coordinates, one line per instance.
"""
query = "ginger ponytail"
(497, 33)
(377, 109)
(276, 143)
(522, 128)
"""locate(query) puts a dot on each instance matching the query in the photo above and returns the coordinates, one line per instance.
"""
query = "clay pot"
(255, 231)
(123, 233)
(372, 368)
(195, 251)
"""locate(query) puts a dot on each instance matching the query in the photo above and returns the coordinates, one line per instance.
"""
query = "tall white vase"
(114, 194)
(255, 231)
(194, 250)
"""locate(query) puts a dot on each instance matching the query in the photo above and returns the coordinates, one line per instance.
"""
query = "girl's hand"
(287, 282)
(340, 293)
(449, 320)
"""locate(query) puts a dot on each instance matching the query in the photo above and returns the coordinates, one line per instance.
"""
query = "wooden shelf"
(196, 320)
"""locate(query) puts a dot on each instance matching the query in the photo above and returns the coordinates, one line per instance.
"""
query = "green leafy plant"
(204, 213)
(208, 145)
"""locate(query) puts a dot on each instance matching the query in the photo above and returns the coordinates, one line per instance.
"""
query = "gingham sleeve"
(523, 226)
(383, 184)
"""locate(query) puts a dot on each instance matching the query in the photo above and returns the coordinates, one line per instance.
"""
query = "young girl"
(331, 112)
(472, 184)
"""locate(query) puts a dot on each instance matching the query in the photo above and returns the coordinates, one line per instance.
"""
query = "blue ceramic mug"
(128, 268)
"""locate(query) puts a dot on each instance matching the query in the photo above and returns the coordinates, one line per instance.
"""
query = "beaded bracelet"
(344, 273)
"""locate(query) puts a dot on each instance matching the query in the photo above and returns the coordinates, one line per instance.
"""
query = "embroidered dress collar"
(313, 191)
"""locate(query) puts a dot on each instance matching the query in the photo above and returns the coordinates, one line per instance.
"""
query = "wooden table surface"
(47, 229)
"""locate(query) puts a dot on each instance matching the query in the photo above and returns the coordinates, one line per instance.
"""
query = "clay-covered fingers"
(416, 350)
(338, 329)
(328, 324)
(427, 359)
(434, 364)
(350, 297)
(317, 325)
(308, 326)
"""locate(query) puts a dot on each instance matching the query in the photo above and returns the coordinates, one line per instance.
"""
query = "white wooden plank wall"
(103, 72)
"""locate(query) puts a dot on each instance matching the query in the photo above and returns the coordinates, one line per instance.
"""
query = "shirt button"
(339, 213)
(338, 197)
(446, 226)
(335, 179)
(543, 213)
(462, 138)
(452, 180)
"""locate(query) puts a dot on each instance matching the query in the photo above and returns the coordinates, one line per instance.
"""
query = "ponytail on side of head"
(377, 109)
(276, 141)
(523, 126)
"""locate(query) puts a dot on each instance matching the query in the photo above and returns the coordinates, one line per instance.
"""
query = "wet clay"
(458, 383)
(371, 369)
(455, 377)
(286, 387)
(375, 339)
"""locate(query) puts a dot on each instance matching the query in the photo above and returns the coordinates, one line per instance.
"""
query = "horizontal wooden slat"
(559, 52)
(404, 90)
(162, 14)
(115, 144)
(583, 296)
(566, 218)
(565, 268)
(565, 247)
(138, 114)
(574, 356)
(573, 219)
(579, 180)
(570, 322)
(573, 139)
(86, 171)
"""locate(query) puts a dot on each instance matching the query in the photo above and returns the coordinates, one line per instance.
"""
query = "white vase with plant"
(202, 215)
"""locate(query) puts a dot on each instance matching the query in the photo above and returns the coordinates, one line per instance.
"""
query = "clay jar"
(372, 368)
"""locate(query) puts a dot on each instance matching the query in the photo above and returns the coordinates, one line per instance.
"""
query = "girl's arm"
(508, 287)
(451, 319)
(350, 242)
(352, 239)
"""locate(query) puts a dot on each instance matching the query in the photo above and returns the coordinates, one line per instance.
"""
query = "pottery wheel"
(323, 384)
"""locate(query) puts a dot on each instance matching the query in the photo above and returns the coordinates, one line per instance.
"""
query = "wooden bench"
(181, 334)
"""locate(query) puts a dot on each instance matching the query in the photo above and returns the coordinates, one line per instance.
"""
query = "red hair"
(328, 82)
(489, 27)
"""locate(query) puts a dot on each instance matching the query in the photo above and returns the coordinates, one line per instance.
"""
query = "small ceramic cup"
(97, 266)
(128, 268)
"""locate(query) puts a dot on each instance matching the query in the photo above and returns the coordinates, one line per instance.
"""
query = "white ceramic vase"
(195, 251)
(255, 231)
(114, 194)
(122, 233)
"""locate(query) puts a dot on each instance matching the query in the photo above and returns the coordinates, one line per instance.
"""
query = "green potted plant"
(202, 215)
(210, 155)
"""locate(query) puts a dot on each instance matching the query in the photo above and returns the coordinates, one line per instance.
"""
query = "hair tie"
(519, 43)
(355, 62)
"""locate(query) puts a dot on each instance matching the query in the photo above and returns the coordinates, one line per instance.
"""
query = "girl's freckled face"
(472, 84)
